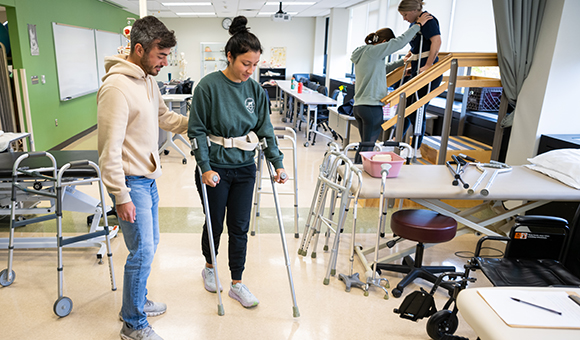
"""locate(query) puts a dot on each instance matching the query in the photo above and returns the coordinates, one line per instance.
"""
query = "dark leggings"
(369, 119)
(233, 195)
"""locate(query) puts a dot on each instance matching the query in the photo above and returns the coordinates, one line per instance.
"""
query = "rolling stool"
(423, 226)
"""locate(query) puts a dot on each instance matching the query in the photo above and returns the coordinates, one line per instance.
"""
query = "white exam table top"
(489, 326)
(434, 182)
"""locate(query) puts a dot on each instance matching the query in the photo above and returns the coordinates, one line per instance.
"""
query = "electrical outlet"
(56, 122)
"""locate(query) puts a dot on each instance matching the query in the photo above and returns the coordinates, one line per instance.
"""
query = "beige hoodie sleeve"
(113, 117)
(171, 121)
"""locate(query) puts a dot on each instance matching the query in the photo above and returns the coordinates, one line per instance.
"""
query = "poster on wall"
(278, 57)
(34, 50)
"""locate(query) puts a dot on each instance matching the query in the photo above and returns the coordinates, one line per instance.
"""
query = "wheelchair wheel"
(441, 323)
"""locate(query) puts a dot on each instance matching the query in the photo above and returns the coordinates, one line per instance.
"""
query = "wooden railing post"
(447, 118)
(401, 117)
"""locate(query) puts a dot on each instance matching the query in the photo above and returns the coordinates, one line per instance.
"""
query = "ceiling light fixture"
(175, 4)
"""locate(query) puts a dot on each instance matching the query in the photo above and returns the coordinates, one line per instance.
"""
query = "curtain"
(517, 26)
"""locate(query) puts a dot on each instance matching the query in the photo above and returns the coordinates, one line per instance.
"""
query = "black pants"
(369, 119)
(233, 195)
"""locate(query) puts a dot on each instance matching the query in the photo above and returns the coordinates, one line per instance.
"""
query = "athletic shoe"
(151, 309)
(209, 280)
(146, 333)
(240, 292)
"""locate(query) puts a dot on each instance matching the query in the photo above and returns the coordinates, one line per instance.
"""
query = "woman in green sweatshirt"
(371, 77)
(232, 110)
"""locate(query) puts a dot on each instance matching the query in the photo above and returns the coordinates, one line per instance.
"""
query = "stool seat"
(424, 226)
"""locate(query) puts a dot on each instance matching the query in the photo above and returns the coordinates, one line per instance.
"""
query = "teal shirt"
(225, 108)
(370, 70)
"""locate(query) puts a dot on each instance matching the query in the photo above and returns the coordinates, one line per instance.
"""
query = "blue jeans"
(141, 238)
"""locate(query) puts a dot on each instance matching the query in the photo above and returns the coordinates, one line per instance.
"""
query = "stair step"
(456, 145)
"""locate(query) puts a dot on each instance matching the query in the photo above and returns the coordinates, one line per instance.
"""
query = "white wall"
(546, 102)
(297, 36)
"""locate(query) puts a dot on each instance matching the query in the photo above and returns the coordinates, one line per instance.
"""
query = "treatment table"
(429, 185)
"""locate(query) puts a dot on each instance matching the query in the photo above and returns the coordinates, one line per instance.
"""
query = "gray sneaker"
(240, 292)
(209, 280)
(151, 309)
(146, 333)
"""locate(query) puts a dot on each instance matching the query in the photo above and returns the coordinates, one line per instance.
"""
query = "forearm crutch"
(215, 178)
(210, 236)
(498, 169)
(295, 311)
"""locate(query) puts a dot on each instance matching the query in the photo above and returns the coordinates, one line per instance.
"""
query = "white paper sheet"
(517, 314)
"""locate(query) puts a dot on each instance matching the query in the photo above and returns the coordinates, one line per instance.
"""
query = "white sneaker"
(209, 280)
(146, 333)
(240, 292)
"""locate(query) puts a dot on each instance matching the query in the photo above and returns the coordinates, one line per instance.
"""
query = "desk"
(308, 97)
(169, 100)
(428, 185)
(489, 326)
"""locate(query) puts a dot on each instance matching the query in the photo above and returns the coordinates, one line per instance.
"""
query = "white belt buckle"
(228, 143)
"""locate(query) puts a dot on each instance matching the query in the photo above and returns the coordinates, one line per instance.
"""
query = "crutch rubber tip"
(455, 182)
(295, 312)
(470, 191)
(252, 233)
(221, 311)
(296, 235)
(333, 272)
(326, 282)
(465, 185)
(313, 255)
(484, 192)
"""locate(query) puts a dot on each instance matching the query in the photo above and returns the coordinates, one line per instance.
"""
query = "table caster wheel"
(5, 279)
(166, 152)
(37, 185)
(184, 161)
(63, 306)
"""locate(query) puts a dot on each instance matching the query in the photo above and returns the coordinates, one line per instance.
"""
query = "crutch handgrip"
(385, 167)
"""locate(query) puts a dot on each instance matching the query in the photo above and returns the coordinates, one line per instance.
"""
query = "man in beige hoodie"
(130, 112)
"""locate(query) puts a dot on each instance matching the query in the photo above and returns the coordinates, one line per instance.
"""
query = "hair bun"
(238, 25)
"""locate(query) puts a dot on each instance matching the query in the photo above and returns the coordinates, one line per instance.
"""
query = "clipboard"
(517, 314)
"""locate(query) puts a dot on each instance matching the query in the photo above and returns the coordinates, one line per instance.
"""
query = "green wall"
(78, 114)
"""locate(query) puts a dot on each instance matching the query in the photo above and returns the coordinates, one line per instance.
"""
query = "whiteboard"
(107, 45)
(76, 61)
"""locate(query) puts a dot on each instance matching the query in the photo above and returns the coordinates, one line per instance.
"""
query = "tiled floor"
(327, 311)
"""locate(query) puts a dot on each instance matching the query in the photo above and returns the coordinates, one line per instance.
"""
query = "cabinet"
(213, 58)
(267, 74)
